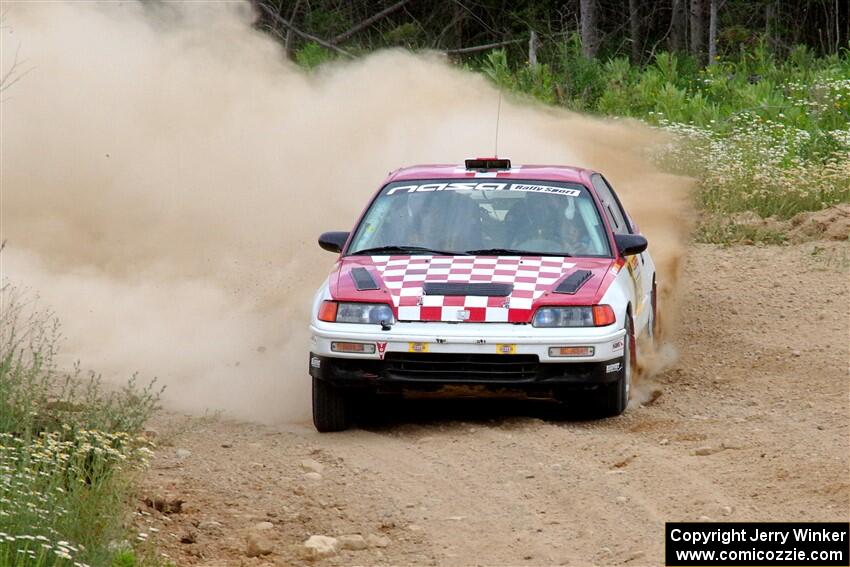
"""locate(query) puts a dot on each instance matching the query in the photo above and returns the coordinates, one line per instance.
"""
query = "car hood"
(517, 285)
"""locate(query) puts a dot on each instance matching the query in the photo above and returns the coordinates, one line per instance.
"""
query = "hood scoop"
(363, 280)
(474, 289)
(573, 282)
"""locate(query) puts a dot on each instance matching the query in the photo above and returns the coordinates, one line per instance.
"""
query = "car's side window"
(616, 216)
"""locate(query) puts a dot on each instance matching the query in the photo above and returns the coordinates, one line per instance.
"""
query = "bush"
(760, 135)
(35, 396)
(312, 55)
(762, 166)
(69, 451)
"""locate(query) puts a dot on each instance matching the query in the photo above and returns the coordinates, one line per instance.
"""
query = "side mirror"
(333, 241)
(630, 244)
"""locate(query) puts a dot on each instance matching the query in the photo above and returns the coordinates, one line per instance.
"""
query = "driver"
(549, 223)
(577, 240)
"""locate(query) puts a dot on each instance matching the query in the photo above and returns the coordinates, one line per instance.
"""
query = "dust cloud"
(165, 173)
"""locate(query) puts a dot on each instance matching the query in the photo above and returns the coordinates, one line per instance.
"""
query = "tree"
(635, 31)
(368, 21)
(589, 28)
(613, 28)
(698, 30)
(712, 32)
(533, 43)
(770, 25)
(842, 19)
(14, 72)
(287, 42)
(678, 26)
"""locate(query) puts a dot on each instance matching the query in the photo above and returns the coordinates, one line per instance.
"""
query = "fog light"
(359, 348)
(571, 351)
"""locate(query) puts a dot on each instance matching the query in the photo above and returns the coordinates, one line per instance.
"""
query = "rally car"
(484, 277)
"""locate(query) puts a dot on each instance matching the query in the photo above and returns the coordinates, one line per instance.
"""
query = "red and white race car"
(527, 278)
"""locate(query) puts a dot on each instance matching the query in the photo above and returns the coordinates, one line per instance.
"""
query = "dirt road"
(752, 425)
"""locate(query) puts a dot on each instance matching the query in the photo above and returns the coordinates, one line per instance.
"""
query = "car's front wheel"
(330, 407)
(611, 399)
(653, 313)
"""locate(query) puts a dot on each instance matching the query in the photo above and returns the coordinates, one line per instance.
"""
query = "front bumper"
(429, 371)
(431, 355)
(468, 338)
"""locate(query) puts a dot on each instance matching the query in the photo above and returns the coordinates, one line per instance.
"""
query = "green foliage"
(761, 135)
(408, 34)
(496, 67)
(327, 23)
(36, 397)
(537, 82)
(312, 55)
(125, 558)
(581, 79)
(69, 451)
(722, 231)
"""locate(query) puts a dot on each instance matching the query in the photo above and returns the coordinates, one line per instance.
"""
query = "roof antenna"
(498, 114)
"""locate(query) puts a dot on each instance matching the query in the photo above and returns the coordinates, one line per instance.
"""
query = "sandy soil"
(753, 424)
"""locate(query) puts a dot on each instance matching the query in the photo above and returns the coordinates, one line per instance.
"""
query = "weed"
(69, 450)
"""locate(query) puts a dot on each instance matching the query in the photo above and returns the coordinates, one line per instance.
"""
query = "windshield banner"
(484, 186)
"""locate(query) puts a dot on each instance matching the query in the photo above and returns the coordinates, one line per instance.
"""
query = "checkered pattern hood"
(401, 280)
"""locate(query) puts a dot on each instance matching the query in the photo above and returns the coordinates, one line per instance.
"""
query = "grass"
(70, 452)
(723, 231)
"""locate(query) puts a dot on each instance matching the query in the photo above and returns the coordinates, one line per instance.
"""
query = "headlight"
(364, 313)
(589, 316)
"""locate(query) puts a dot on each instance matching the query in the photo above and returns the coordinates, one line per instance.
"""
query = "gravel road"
(752, 424)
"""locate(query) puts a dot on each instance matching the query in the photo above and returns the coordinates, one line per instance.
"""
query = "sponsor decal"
(382, 349)
(484, 186)
(612, 367)
(545, 189)
(463, 186)
(633, 266)
(618, 345)
(417, 347)
(315, 362)
(506, 349)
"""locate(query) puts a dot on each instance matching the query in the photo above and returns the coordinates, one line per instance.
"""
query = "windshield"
(499, 217)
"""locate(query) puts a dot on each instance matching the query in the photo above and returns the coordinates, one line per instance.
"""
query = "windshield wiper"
(513, 252)
(406, 250)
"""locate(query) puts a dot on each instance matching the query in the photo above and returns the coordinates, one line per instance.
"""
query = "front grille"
(464, 289)
(445, 367)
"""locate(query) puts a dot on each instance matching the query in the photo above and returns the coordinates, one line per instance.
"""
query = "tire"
(653, 324)
(610, 400)
(330, 407)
